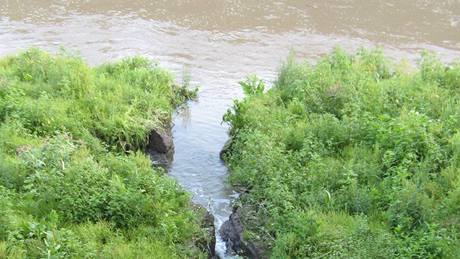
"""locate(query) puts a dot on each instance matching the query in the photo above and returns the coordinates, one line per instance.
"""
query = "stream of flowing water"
(218, 43)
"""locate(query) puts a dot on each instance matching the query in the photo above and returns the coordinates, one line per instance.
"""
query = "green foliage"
(253, 85)
(351, 158)
(50, 93)
(74, 182)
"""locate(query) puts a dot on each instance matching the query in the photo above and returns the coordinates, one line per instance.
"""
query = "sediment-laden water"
(218, 43)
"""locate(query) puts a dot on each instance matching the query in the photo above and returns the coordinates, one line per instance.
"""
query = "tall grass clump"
(353, 157)
(74, 182)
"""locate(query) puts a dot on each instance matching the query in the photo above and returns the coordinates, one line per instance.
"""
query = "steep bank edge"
(232, 230)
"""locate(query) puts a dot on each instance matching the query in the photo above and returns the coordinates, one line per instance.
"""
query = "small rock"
(208, 224)
(161, 147)
(225, 148)
(232, 233)
(208, 244)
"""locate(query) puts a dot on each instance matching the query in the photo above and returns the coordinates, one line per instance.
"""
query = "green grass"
(354, 157)
(74, 182)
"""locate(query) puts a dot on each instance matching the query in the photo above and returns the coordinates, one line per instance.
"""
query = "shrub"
(74, 182)
(352, 157)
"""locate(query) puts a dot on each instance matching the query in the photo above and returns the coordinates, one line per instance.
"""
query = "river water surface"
(218, 43)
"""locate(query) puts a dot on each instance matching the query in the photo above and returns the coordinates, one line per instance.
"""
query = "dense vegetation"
(73, 179)
(354, 157)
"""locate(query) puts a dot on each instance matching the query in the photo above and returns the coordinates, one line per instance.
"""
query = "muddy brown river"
(218, 43)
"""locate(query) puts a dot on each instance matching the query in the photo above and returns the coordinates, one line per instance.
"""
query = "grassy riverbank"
(74, 181)
(354, 157)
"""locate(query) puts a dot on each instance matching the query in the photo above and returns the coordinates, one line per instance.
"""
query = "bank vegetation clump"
(353, 157)
(74, 180)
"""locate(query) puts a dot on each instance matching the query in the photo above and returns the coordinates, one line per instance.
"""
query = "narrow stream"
(218, 43)
(200, 169)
